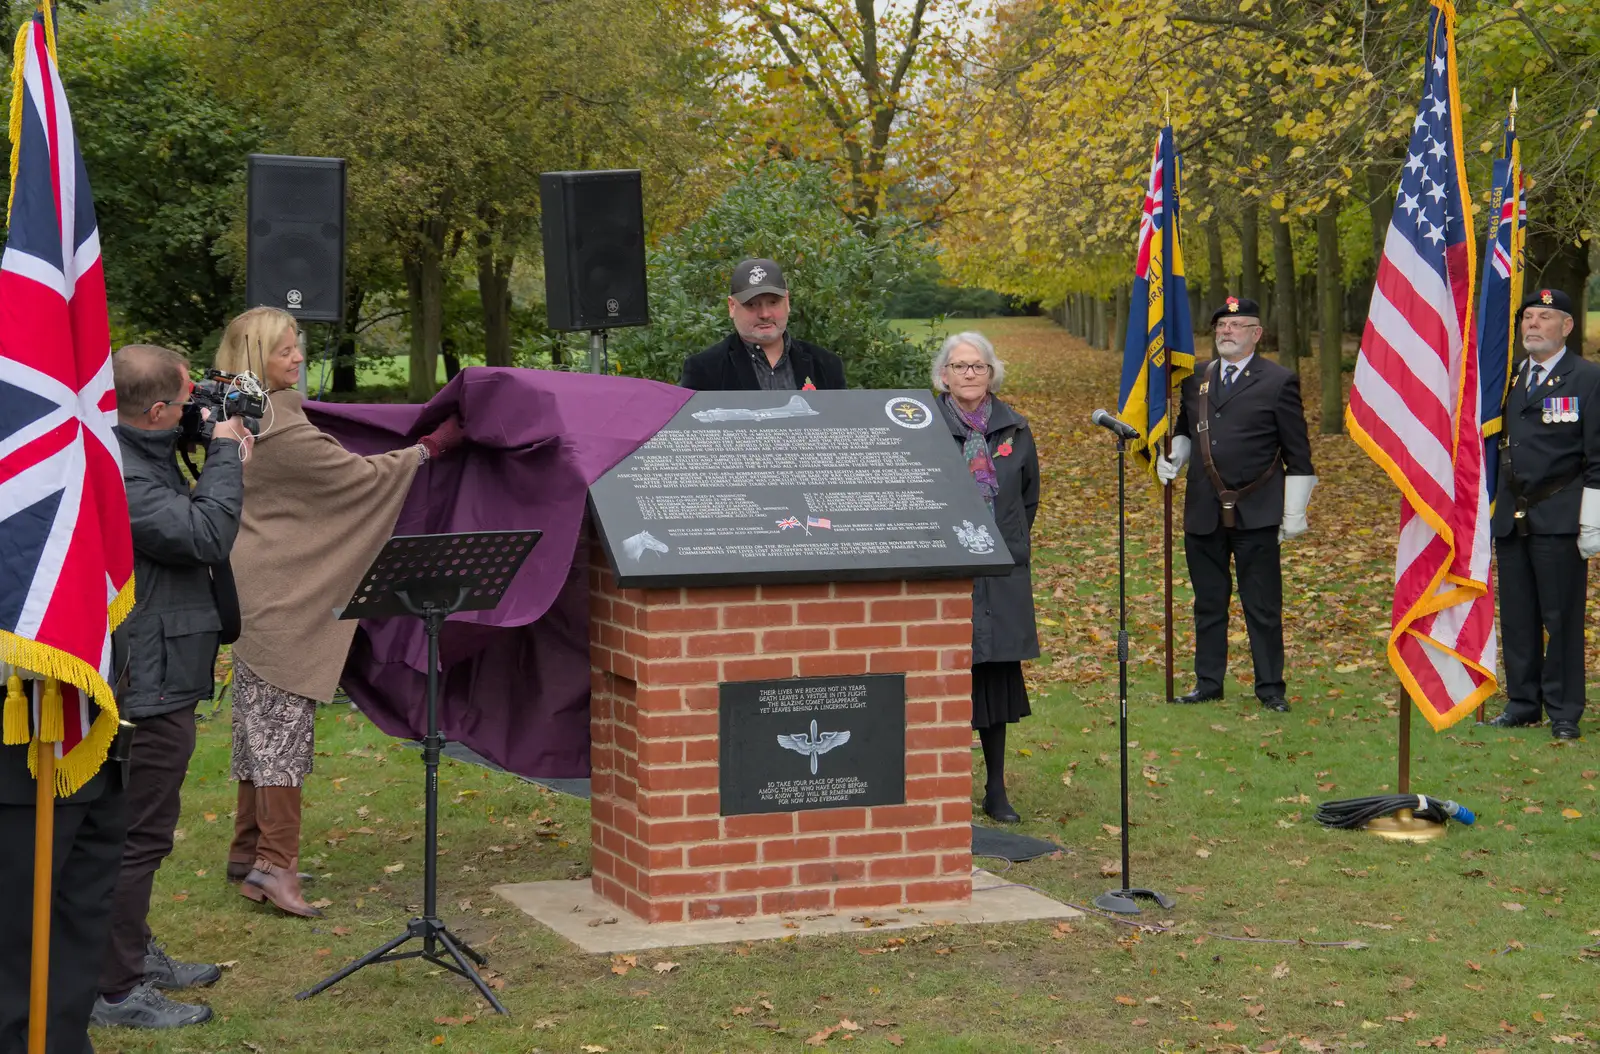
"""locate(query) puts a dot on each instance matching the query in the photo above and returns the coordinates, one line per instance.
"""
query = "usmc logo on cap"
(757, 274)
(1233, 303)
(1546, 297)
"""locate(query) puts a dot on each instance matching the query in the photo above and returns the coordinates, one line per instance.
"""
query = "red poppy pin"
(1003, 450)
(808, 386)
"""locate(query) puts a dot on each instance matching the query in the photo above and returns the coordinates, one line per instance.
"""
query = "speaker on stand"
(294, 256)
(594, 274)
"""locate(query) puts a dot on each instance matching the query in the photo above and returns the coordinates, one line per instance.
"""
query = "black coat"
(1003, 627)
(726, 367)
(1258, 423)
(171, 635)
(1542, 453)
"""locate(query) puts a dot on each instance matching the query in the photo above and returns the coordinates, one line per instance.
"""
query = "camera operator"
(171, 638)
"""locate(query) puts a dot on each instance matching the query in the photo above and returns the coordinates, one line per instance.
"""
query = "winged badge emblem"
(814, 744)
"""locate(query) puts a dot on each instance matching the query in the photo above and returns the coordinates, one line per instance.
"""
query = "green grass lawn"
(1479, 937)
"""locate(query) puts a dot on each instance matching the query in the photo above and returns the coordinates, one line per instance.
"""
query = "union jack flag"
(1159, 351)
(1416, 409)
(66, 550)
(785, 524)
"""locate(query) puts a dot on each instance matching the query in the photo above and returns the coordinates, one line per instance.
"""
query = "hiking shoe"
(163, 971)
(147, 1008)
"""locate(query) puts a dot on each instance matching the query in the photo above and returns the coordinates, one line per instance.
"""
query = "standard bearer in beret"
(1547, 518)
(1247, 493)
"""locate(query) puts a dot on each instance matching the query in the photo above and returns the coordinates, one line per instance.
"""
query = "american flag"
(819, 521)
(66, 550)
(1415, 409)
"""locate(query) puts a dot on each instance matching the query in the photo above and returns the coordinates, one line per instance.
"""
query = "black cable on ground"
(1355, 812)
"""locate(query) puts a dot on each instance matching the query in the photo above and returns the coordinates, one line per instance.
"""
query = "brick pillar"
(661, 848)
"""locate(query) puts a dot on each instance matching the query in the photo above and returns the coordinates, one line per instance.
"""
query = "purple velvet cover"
(514, 681)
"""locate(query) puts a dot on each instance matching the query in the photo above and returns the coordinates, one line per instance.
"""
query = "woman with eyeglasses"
(998, 447)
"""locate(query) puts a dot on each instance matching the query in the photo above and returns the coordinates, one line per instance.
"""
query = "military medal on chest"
(1560, 411)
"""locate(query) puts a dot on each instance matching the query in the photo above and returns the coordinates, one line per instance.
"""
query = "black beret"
(1236, 306)
(1548, 298)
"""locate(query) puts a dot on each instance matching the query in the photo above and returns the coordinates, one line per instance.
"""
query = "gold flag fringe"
(16, 714)
(85, 759)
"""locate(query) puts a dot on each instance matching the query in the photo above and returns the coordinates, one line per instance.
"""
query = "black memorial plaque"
(744, 487)
(813, 743)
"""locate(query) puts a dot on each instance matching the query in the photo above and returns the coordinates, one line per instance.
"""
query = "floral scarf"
(975, 447)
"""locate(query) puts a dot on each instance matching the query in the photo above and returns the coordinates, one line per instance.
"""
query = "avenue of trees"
(863, 137)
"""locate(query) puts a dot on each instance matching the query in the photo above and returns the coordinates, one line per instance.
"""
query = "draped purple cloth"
(514, 682)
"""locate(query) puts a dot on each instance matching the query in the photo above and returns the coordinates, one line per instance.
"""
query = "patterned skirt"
(273, 731)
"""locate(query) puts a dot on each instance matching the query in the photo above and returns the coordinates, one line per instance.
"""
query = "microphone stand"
(1123, 901)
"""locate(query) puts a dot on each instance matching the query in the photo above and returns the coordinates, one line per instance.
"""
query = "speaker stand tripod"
(432, 577)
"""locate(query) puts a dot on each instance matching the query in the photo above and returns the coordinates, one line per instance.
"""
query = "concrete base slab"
(573, 910)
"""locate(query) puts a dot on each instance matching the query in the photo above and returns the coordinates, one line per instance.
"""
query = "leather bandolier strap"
(1230, 498)
(1525, 500)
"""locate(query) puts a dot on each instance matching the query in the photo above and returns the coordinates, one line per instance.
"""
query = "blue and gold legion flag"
(1159, 351)
(1500, 295)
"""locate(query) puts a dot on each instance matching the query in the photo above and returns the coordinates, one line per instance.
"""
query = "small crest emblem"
(975, 540)
(1546, 297)
(1233, 304)
(757, 274)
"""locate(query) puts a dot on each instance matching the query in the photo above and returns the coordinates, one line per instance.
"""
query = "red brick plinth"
(662, 849)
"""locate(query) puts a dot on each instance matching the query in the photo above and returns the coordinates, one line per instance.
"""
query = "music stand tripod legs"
(439, 945)
(1124, 901)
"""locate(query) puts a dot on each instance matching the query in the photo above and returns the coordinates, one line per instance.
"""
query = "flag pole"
(44, 817)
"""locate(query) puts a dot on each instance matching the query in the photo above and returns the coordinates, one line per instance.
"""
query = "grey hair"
(979, 343)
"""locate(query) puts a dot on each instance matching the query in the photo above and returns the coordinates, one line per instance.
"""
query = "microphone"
(1120, 429)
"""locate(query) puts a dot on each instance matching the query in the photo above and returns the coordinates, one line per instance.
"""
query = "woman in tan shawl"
(315, 515)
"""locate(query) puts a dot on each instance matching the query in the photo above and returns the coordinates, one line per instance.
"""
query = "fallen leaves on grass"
(664, 967)
(1511, 905)
(621, 964)
(1280, 971)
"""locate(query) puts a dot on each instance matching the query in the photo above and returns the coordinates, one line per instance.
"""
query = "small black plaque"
(745, 487)
(813, 743)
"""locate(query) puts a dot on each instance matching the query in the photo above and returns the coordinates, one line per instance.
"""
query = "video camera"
(225, 395)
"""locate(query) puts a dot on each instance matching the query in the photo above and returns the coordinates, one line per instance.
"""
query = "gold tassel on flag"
(16, 713)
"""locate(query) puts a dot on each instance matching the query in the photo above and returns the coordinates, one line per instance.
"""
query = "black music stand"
(433, 576)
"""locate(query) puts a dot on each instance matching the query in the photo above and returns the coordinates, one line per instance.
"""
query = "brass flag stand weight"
(1403, 825)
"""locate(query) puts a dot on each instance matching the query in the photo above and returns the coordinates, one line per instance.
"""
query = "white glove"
(1589, 523)
(1167, 471)
(1296, 496)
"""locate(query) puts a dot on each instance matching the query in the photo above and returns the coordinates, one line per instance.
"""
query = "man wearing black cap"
(1248, 491)
(1547, 519)
(760, 354)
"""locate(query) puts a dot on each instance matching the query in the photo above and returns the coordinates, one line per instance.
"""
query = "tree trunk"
(344, 359)
(1250, 250)
(1216, 281)
(1096, 322)
(424, 267)
(1331, 296)
(1305, 307)
(1554, 262)
(1284, 320)
(494, 292)
(1196, 306)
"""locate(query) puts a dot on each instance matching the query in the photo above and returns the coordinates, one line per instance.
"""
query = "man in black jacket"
(171, 638)
(760, 355)
(1248, 491)
(1547, 519)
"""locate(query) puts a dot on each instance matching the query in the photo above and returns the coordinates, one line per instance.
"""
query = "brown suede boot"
(242, 853)
(275, 875)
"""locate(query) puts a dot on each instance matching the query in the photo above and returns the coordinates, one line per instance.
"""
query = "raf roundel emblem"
(1546, 297)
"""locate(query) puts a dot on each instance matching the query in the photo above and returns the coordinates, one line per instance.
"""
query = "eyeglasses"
(182, 398)
(969, 369)
(1226, 326)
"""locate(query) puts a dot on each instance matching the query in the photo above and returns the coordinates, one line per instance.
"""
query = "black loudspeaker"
(594, 249)
(295, 258)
